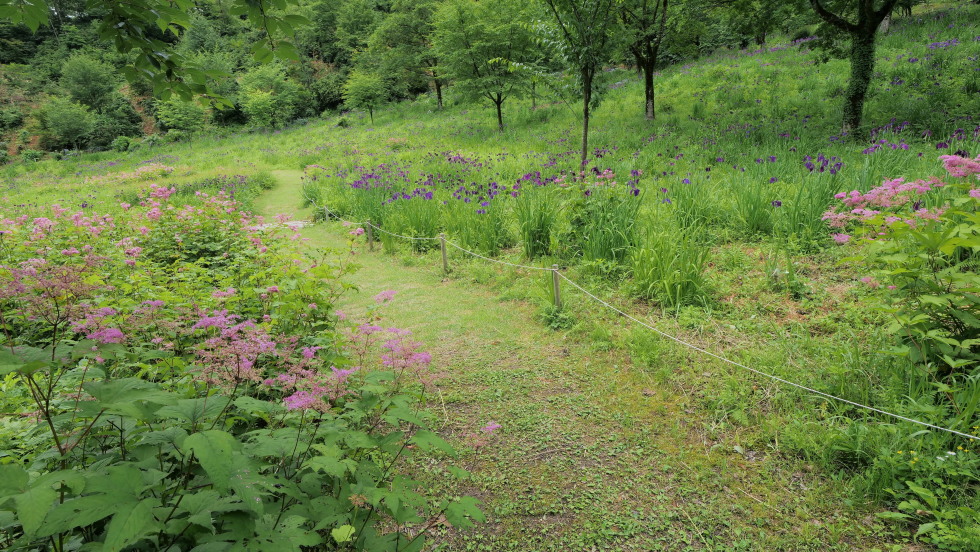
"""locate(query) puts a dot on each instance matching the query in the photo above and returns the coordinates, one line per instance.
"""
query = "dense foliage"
(184, 382)
(350, 54)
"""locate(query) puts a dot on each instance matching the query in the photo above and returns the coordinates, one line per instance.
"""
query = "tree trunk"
(438, 85)
(862, 69)
(648, 91)
(586, 100)
(500, 117)
(534, 95)
(371, 112)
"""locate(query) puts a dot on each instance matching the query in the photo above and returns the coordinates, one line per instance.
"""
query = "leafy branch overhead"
(147, 29)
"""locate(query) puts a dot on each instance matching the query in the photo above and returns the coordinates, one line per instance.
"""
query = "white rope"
(761, 373)
(467, 251)
(379, 229)
(668, 336)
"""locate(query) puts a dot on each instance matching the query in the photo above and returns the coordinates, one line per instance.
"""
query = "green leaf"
(343, 534)
(428, 441)
(13, 478)
(459, 513)
(213, 449)
(128, 526)
(194, 410)
(286, 50)
(32, 507)
(83, 511)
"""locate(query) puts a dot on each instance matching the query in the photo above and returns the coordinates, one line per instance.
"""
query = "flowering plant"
(179, 397)
(923, 238)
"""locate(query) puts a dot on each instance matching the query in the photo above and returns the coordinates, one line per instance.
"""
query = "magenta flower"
(841, 238)
(357, 232)
(491, 427)
(300, 400)
(384, 296)
(108, 335)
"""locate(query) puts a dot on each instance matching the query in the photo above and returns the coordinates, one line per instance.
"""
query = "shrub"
(31, 155)
(919, 241)
(121, 144)
(117, 118)
(269, 98)
(202, 408)
(181, 115)
(66, 122)
(88, 80)
(10, 118)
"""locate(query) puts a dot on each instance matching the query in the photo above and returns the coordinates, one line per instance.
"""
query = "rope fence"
(557, 276)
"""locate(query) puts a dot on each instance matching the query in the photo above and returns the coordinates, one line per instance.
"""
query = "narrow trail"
(592, 455)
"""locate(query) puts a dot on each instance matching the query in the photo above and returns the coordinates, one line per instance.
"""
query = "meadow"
(729, 222)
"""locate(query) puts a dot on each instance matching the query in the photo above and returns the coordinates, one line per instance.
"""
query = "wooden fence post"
(445, 260)
(370, 230)
(554, 279)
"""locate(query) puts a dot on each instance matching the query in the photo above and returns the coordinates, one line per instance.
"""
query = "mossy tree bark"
(862, 34)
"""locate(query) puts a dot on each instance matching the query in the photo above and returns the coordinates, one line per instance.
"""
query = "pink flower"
(42, 223)
(273, 289)
(342, 375)
(300, 400)
(961, 166)
(841, 238)
(384, 296)
(870, 281)
(357, 232)
(108, 335)
(491, 427)
(975, 193)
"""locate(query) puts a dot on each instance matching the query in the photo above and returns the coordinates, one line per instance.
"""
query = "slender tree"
(645, 22)
(585, 31)
(403, 41)
(479, 43)
(862, 35)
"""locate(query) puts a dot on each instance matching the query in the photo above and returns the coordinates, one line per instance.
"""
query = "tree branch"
(833, 18)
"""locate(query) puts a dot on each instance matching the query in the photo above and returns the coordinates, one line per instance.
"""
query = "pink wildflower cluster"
(403, 356)
(310, 389)
(233, 355)
(961, 167)
(889, 199)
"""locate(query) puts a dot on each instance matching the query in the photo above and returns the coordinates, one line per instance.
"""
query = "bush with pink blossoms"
(920, 242)
(923, 238)
(185, 383)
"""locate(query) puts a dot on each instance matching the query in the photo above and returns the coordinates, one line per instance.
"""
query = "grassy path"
(592, 455)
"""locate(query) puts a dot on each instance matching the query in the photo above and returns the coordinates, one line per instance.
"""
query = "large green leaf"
(459, 513)
(84, 511)
(194, 410)
(428, 441)
(32, 507)
(213, 450)
(13, 478)
(129, 526)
